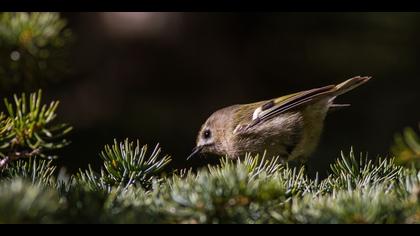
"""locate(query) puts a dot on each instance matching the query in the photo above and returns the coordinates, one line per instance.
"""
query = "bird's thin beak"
(195, 151)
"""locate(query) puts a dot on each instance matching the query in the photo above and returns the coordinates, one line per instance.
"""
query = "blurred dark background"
(158, 76)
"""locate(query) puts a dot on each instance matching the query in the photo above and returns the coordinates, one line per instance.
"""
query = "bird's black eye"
(207, 134)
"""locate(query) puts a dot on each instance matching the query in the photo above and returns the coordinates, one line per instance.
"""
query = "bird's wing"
(271, 108)
(277, 106)
(283, 104)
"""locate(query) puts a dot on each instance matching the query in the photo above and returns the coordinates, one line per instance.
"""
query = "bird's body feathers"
(289, 126)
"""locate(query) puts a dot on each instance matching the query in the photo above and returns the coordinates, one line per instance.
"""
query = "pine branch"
(350, 172)
(370, 205)
(34, 170)
(125, 164)
(29, 129)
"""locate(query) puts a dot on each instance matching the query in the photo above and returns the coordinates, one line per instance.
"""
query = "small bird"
(288, 127)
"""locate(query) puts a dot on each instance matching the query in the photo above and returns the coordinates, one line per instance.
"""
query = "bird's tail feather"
(350, 84)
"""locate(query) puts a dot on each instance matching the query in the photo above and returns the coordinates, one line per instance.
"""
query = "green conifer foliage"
(134, 184)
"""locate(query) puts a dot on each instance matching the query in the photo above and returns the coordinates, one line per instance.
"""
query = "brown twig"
(4, 162)
(18, 155)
